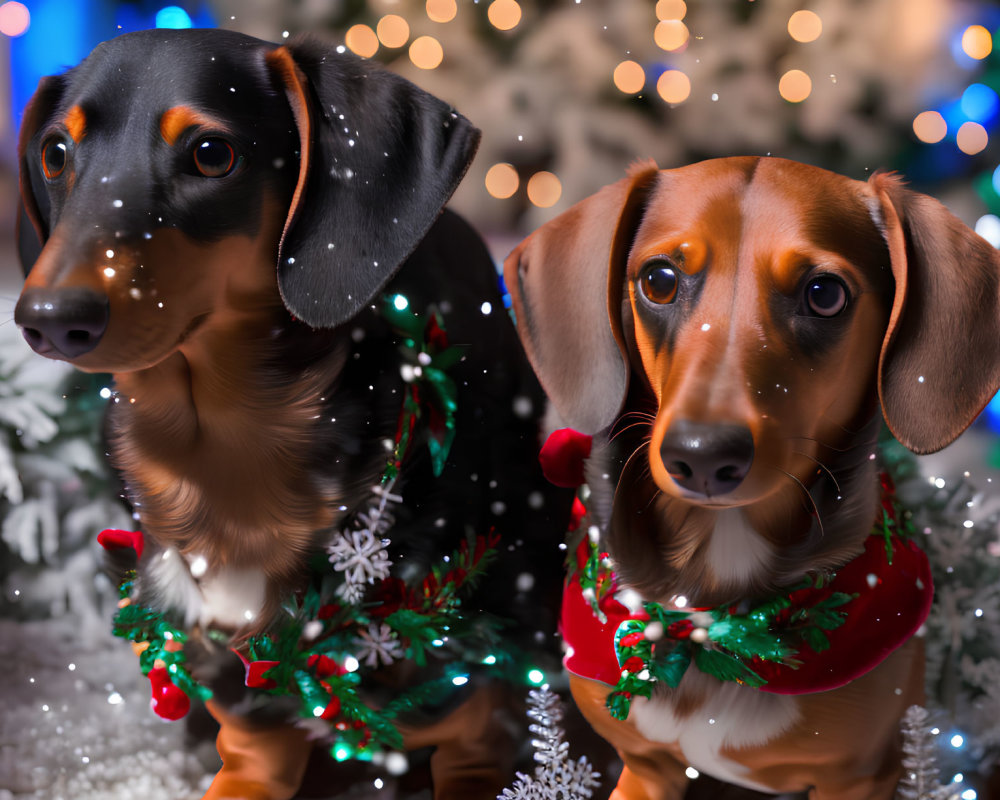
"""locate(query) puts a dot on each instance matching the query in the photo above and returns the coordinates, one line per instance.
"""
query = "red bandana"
(892, 602)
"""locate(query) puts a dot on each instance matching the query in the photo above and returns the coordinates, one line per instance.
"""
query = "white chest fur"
(226, 598)
(732, 716)
(737, 554)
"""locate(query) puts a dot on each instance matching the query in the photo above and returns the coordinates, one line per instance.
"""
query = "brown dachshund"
(743, 325)
(218, 220)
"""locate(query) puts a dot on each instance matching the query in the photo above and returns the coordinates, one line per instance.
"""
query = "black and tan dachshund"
(218, 219)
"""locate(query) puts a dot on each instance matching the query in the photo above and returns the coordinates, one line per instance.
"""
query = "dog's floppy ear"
(33, 213)
(379, 159)
(565, 281)
(940, 361)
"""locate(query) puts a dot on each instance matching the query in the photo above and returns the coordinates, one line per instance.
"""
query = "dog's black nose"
(708, 459)
(62, 322)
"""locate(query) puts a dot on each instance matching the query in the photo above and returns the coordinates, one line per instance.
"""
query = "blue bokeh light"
(980, 103)
(172, 17)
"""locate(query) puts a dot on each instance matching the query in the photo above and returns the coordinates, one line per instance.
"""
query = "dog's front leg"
(258, 763)
(473, 750)
(651, 771)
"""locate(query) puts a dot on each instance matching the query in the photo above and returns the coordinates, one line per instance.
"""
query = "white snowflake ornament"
(361, 556)
(378, 643)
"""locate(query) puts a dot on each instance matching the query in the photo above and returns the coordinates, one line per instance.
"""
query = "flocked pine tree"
(56, 492)
(957, 524)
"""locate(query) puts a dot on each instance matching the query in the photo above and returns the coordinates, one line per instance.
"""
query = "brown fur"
(736, 348)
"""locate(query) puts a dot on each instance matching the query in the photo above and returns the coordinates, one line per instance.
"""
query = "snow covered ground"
(76, 723)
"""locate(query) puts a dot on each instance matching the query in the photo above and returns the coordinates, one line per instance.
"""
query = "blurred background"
(568, 93)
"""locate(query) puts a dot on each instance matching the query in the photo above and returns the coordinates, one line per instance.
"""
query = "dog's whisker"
(822, 466)
(638, 413)
(821, 443)
(626, 429)
(805, 491)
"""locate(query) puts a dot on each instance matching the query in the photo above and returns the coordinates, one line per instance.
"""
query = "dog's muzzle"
(62, 322)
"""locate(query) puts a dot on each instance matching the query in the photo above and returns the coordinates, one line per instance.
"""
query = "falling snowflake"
(556, 776)
(378, 643)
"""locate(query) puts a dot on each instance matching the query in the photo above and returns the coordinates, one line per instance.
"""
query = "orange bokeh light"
(671, 9)
(502, 180)
(441, 10)
(630, 77)
(795, 86)
(671, 34)
(393, 30)
(977, 42)
(544, 189)
(426, 52)
(972, 138)
(674, 86)
(362, 40)
(504, 14)
(805, 26)
(930, 127)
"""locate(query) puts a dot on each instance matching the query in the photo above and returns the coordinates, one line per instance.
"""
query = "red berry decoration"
(324, 666)
(114, 539)
(633, 664)
(562, 457)
(332, 709)
(168, 700)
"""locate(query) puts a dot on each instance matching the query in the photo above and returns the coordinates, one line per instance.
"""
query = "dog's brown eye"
(826, 296)
(55, 156)
(658, 282)
(214, 157)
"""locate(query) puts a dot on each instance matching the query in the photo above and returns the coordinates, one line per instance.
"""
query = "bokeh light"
(674, 86)
(393, 30)
(805, 26)
(996, 188)
(362, 40)
(972, 138)
(930, 127)
(441, 10)
(504, 14)
(544, 189)
(988, 226)
(536, 676)
(980, 103)
(14, 19)
(795, 86)
(977, 42)
(426, 52)
(671, 34)
(173, 17)
(502, 180)
(671, 9)
(630, 77)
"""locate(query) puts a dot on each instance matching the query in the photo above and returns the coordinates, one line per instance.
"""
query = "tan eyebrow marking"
(76, 123)
(178, 119)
